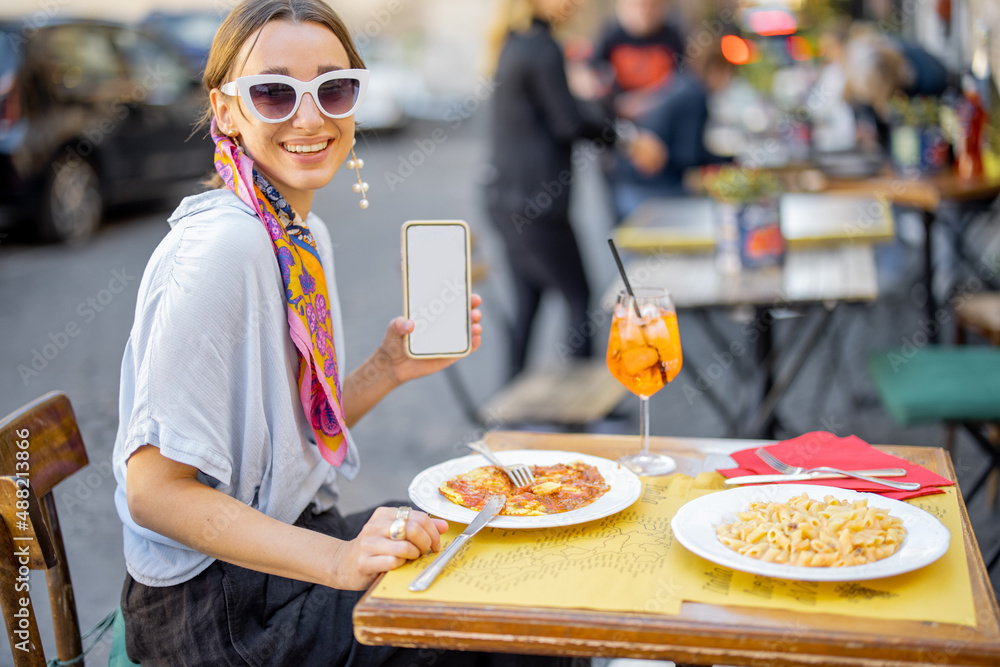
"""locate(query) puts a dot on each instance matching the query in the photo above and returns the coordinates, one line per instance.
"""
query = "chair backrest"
(41, 446)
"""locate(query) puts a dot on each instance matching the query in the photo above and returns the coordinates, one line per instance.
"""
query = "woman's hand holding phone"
(441, 322)
(390, 365)
(405, 367)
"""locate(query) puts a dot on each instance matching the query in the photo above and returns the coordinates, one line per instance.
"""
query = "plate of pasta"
(810, 532)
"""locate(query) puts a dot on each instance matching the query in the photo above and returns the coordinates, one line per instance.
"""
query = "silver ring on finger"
(397, 529)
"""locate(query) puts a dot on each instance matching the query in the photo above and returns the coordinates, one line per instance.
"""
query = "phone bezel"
(468, 287)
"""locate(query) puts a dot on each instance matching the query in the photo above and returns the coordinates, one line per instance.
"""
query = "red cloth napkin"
(821, 448)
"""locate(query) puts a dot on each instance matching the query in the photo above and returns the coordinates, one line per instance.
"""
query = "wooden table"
(702, 634)
(925, 193)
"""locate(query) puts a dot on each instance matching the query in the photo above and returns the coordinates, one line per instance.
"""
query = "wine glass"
(644, 353)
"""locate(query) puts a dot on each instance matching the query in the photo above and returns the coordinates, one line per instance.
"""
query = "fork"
(786, 469)
(519, 473)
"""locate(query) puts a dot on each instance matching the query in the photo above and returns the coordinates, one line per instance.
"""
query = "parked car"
(190, 32)
(92, 113)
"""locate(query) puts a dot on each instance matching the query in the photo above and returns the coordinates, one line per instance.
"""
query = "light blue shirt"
(209, 376)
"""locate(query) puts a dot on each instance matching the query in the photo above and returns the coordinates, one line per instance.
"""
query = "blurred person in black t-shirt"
(637, 53)
(677, 113)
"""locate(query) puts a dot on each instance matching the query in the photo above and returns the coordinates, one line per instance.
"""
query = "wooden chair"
(978, 313)
(40, 446)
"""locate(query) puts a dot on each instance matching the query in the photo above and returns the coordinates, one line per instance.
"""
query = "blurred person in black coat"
(535, 122)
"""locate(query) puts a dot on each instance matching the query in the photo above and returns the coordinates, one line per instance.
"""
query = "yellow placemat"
(915, 596)
(615, 564)
(630, 562)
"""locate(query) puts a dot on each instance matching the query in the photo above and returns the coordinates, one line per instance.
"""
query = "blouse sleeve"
(196, 348)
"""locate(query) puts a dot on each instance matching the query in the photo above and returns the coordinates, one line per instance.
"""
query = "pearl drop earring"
(360, 187)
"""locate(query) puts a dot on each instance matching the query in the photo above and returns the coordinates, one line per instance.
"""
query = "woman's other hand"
(373, 551)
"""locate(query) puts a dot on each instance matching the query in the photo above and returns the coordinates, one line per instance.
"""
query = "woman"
(233, 420)
(535, 122)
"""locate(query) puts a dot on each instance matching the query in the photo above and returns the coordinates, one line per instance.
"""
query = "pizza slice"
(557, 488)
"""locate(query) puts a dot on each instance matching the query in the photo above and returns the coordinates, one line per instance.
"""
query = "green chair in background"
(957, 385)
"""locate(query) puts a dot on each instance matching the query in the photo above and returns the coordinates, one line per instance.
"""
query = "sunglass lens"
(339, 95)
(273, 100)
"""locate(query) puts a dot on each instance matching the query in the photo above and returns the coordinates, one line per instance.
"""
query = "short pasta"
(814, 533)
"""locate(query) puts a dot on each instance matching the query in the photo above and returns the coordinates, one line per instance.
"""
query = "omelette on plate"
(558, 488)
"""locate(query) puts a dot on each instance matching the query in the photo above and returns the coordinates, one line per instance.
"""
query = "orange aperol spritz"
(644, 354)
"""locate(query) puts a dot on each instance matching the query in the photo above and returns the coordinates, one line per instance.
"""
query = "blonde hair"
(875, 71)
(512, 16)
(245, 21)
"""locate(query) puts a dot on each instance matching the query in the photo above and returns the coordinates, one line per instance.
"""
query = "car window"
(8, 53)
(195, 31)
(157, 75)
(81, 59)
(9, 102)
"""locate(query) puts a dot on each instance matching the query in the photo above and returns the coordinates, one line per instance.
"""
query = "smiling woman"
(234, 417)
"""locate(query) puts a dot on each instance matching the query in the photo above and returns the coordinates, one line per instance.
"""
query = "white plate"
(625, 489)
(695, 523)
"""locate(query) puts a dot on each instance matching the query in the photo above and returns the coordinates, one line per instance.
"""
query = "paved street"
(65, 315)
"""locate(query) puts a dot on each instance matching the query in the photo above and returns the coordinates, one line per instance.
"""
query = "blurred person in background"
(637, 53)
(677, 115)
(234, 422)
(878, 68)
(535, 122)
(833, 118)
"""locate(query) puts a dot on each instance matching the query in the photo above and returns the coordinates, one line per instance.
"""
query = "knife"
(759, 479)
(490, 510)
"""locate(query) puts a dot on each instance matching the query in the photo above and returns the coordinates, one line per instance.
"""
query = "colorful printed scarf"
(305, 294)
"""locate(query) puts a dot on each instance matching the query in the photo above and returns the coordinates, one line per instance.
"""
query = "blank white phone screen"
(437, 288)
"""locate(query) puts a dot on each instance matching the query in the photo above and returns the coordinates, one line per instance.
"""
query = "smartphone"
(437, 288)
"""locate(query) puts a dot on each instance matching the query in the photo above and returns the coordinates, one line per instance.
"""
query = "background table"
(928, 195)
(701, 634)
(817, 279)
(687, 224)
(830, 261)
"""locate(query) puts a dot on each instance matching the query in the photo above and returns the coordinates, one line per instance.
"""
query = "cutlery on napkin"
(801, 477)
(821, 448)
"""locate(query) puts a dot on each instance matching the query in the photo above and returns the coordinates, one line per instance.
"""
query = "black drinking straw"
(621, 269)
